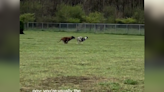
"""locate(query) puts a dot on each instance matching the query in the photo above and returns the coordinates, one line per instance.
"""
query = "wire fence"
(137, 29)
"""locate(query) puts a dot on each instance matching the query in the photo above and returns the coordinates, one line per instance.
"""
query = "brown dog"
(66, 39)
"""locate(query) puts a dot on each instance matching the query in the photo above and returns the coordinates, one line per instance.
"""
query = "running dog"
(80, 39)
(67, 39)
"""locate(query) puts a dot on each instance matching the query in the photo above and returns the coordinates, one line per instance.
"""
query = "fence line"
(88, 27)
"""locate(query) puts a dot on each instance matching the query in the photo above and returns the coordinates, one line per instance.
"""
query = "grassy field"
(103, 63)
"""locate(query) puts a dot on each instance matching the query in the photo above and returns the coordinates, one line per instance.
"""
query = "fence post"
(104, 27)
(42, 25)
(76, 26)
(127, 28)
(59, 26)
(27, 25)
(85, 27)
(115, 27)
(32, 24)
(139, 29)
(94, 27)
(47, 25)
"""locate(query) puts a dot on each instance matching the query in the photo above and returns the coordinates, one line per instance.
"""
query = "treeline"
(80, 11)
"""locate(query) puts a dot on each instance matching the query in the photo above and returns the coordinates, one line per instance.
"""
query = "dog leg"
(78, 42)
(63, 42)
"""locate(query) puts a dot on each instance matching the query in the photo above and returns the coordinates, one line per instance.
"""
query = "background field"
(103, 63)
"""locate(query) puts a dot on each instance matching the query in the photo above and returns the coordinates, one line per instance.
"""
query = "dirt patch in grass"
(84, 83)
(26, 89)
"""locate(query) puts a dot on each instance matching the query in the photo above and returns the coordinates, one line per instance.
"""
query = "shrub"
(130, 21)
(46, 19)
(21, 27)
(73, 20)
(94, 17)
(27, 17)
(69, 14)
(126, 21)
(110, 19)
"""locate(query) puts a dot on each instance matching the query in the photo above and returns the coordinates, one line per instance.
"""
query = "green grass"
(101, 64)
(130, 82)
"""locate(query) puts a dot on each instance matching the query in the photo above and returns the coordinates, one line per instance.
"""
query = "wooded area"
(79, 11)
